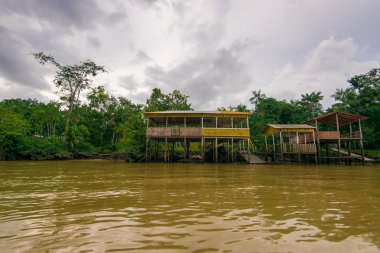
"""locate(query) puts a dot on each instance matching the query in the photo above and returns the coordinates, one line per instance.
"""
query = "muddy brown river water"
(104, 206)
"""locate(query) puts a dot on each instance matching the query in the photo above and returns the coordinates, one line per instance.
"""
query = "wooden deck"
(353, 155)
(252, 159)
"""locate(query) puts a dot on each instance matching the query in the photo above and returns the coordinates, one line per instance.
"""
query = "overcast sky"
(216, 52)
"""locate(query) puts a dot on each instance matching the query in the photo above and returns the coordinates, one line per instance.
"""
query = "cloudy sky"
(216, 52)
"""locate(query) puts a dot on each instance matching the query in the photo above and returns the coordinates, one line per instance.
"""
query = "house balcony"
(194, 132)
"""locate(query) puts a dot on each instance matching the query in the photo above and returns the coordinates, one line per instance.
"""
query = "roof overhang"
(337, 118)
(287, 128)
(174, 114)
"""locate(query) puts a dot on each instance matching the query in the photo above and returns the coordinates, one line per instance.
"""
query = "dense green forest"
(105, 124)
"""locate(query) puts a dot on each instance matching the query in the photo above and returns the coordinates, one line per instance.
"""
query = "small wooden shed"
(290, 142)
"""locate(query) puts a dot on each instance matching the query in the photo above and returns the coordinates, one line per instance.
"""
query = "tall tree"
(257, 96)
(363, 97)
(311, 103)
(159, 101)
(71, 80)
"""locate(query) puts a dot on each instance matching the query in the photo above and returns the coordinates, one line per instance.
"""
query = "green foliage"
(363, 97)
(30, 129)
(13, 128)
(71, 80)
(159, 101)
(50, 148)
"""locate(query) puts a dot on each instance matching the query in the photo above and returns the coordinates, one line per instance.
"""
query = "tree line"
(105, 124)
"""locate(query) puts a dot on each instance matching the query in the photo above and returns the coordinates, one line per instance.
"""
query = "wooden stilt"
(316, 153)
(281, 148)
(216, 150)
(203, 149)
(274, 148)
(298, 142)
(232, 150)
(319, 154)
(184, 148)
(361, 141)
(337, 129)
(146, 149)
(166, 150)
(228, 150)
(349, 145)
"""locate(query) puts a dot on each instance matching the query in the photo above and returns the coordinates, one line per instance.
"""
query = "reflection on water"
(102, 206)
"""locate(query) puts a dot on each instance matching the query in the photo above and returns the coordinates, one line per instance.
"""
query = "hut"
(290, 142)
(215, 136)
(337, 134)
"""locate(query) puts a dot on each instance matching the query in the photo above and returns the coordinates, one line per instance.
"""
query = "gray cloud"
(214, 51)
(93, 41)
(129, 82)
(142, 58)
(210, 80)
(69, 13)
(16, 62)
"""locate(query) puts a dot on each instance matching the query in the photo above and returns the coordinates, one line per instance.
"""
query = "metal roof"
(288, 128)
(196, 114)
(337, 118)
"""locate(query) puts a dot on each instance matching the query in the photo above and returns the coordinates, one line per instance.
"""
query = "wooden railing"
(176, 131)
(353, 135)
(328, 135)
(173, 132)
(294, 148)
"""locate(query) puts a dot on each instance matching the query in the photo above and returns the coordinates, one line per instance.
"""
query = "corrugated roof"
(196, 113)
(275, 128)
(344, 118)
(290, 126)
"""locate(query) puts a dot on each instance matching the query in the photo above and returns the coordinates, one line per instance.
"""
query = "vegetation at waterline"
(105, 124)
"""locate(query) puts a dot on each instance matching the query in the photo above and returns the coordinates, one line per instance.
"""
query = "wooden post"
(166, 149)
(274, 147)
(146, 149)
(146, 141)
(248, 122)
(172, 151)
(248, 152)
(349, 145)
(318, 142)
(281, 148)
(184, 148)
(184, 122)
(232, 122)
(266, 144)
(216, 150)
(216, 122)
(202, 122)
(337, 128)
(361, 141)
(203, 149)
(315, 155)
(228, 150)
(298, 142)
(232, 150)
(166, 122)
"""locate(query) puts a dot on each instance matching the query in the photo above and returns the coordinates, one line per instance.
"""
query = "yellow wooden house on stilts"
(214, 136)
(287, 143)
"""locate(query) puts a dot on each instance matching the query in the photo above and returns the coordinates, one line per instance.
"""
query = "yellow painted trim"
(270, 130)
(225, 132)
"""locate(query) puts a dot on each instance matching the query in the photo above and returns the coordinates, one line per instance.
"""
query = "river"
(105, 206)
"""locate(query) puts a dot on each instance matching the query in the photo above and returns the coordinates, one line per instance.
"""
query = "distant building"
(215, 136)
(336, 137)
